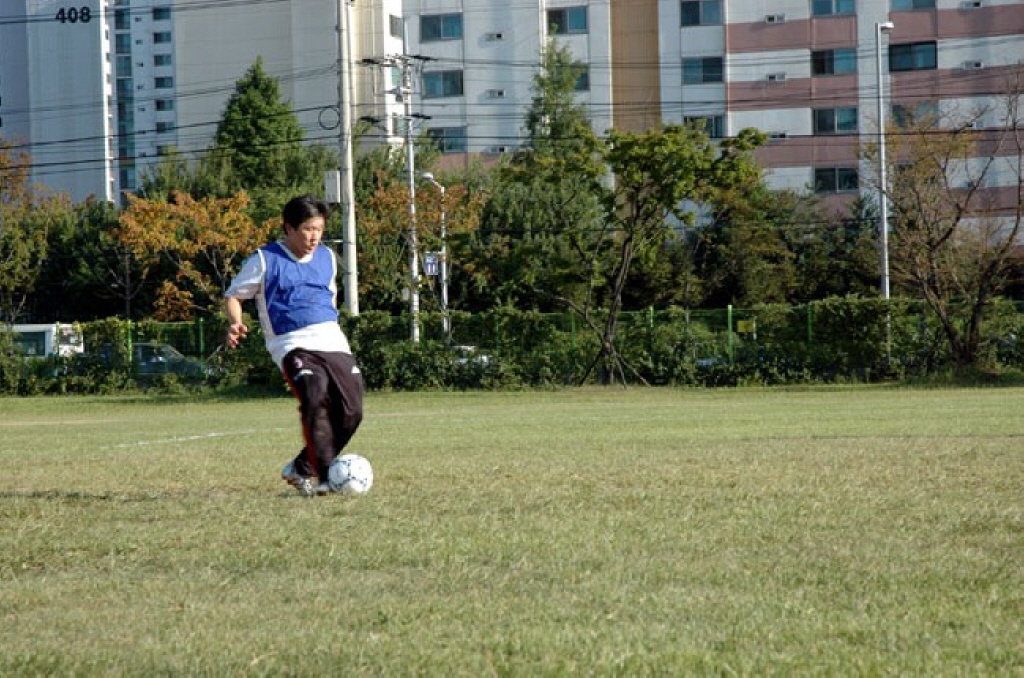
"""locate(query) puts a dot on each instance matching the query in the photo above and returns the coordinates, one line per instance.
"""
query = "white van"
(44, 340)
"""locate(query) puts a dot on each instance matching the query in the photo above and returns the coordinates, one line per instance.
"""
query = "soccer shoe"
(305, 485)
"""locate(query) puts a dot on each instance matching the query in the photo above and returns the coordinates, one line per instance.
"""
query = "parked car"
(470, 355)
(153, 359)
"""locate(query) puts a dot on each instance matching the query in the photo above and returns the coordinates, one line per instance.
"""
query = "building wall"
(56, 93)
(499, 56)
(60, 82)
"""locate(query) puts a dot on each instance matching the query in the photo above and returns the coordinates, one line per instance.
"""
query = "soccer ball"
(350, 474)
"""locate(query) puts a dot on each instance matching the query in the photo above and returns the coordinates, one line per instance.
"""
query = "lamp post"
(446, 322)
(883, 202)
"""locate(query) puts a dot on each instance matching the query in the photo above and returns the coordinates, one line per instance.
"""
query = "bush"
(833, 340)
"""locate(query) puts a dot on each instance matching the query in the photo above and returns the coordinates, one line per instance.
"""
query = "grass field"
(645, 532)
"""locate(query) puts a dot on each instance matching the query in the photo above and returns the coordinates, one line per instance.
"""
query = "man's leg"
(308, 378)
(346, 397)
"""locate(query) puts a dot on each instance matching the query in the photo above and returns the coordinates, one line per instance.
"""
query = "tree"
(204, 241)
(384, 226)
(658, 175)
(951, 242)
(88, 272)
(25, 216)
(543, 216)
(561, 140)
(257, 148)
(258, 131)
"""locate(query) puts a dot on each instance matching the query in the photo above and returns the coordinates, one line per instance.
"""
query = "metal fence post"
(728, 332)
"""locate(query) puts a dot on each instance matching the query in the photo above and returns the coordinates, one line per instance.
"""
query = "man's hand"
(236, 333)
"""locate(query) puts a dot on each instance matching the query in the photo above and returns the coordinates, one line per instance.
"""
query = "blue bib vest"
(298, 294)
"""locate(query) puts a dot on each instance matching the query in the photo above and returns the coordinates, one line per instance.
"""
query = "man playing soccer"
(293, 283)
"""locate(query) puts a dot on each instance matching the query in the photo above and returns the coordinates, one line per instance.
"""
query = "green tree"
(561, 139)
(543, 216)
(659, 174)
(258, 148)
(88, 272)
(25, 217)
(258, 131)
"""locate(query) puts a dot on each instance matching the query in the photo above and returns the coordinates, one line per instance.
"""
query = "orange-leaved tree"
(203, 241)
(384, 238)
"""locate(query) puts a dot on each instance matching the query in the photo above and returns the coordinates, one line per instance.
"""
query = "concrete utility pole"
(410, 168)
(350, 274)
(408, 65)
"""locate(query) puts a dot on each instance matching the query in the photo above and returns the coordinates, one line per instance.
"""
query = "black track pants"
(329, 387)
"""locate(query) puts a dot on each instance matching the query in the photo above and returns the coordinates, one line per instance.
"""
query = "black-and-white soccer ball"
(350, 474)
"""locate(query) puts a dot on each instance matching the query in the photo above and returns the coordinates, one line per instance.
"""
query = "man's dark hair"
(302, 208)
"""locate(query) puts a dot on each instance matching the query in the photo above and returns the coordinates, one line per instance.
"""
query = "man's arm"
(237, 329)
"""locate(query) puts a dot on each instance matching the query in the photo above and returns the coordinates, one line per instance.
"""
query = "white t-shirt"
(248, 284)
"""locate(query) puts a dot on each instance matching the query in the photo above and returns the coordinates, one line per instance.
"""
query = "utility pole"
(414, 256)
(347, 191)
(408, 65)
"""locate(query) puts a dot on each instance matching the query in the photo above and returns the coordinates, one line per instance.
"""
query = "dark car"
(153, 359)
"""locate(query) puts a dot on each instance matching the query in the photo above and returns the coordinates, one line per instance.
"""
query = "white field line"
(185, 439)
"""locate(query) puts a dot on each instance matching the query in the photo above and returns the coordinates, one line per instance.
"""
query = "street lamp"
(883, 203)
(446, 322)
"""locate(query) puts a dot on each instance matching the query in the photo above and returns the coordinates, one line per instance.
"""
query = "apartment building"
(57, 93)
(804, 71)
(98, 95)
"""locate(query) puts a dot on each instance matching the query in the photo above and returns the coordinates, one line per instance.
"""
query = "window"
(442, 84)
(123, 43)
(834, 120)
(906, 5)
(567, 20)
(163, 83)
(161, 13)
(582, 83)
(127, 178)
(449, 139)
(121, 22)
(440, 27)
(910, 115)
(164, 126)
(830, 7)
(165, 104)
(701, 12)
(161, 59)
(835, 180)
(124, 66)
(713, 125)
(397, 26)
(914, 56)
(162, 37)
(834, 62)
(701, 70)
